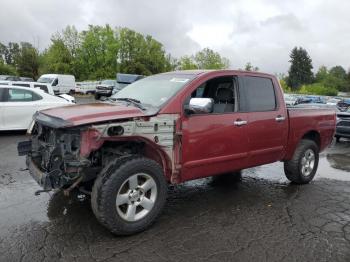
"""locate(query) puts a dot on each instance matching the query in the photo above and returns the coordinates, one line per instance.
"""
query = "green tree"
(338, 71)
(209, 59)
(171, 63)
(57, 58)
(249, 67)
(140, 54)
(321, 74)
(335, 78)
(97, 57)
(300, 70)
(12, 53)
(7, 69)
(187, 63)
(28, 60)
(318, 89)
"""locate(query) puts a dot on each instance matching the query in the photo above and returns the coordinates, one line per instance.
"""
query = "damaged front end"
(65, 156)
(53, 156)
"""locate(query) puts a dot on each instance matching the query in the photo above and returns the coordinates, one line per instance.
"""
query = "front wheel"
(97, 96)
(302, 168)
(129, 195)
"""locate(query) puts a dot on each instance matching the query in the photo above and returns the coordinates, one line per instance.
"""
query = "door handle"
(280, 118)
(240, 122)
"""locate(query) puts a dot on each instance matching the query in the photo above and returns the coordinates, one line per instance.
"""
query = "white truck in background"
(61, 84)
(86, 87)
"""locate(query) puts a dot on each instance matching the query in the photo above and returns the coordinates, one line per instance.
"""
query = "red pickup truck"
(171, 128)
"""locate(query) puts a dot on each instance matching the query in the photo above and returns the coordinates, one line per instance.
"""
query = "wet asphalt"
(258, 216)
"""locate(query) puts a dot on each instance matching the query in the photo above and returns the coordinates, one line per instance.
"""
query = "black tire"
(337, 139)
(97, 96)
(293, 167)
(109, 182)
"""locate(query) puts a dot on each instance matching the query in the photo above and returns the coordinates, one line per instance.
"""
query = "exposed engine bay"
(56, 152)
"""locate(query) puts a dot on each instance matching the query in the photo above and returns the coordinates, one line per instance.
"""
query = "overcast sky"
(262, 32)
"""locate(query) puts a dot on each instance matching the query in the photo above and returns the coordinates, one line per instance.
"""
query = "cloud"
(260, 31)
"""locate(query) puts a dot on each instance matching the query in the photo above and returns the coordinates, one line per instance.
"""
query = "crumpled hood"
(86, 114)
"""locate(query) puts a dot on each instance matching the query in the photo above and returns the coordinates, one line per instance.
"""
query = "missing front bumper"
(42, 178)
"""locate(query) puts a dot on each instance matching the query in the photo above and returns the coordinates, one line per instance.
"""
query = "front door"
(213, 144)
(216, 142)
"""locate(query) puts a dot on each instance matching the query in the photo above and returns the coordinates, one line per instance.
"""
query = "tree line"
(99, 53)
(301, 79)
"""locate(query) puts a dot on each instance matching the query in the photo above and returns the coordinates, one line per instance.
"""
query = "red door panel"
(267, 137)
(213, 144)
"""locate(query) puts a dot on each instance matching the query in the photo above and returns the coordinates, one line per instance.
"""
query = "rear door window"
(42, 87)
(2, 94)
(257, 94)
(21, 95)
(21, 84)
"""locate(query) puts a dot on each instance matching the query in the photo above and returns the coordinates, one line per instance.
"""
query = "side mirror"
(200, 106)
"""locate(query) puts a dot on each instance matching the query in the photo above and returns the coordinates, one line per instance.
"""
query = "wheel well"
(139, 148)
(314, 136)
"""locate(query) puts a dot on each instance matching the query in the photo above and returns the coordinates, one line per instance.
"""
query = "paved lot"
(260, 217)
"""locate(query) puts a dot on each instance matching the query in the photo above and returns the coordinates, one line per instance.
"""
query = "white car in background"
(47, 88)
(19, 104)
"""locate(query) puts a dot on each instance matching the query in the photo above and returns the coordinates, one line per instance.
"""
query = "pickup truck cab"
(171, 128)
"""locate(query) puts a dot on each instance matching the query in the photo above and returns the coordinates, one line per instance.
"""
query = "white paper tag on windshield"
(179, 80)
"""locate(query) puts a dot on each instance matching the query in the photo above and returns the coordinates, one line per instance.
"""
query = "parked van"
(61, 84)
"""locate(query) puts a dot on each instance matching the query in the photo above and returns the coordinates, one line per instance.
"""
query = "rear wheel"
(337, 139)
(129, 194)
(302, 168)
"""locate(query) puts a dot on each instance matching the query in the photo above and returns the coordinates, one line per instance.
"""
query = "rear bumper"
(42, 178)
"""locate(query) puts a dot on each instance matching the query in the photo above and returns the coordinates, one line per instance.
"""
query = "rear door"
(267, 127)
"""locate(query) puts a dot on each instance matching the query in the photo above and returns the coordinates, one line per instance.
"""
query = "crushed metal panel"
(160, 129)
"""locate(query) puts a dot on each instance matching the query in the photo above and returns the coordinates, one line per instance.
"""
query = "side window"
(223, 90)
(42, 87)
(21, 95)
(2, 94)
(21, 84)
(55, 82)
(199, 91)
(259, 94)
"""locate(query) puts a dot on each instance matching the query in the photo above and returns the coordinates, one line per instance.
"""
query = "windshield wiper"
(132, 101)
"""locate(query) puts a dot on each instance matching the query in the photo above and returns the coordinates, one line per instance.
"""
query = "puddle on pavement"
(334, 164)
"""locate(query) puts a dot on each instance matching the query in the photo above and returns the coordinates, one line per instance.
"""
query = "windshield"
(154, 90)
(47, 80)
(108, 82)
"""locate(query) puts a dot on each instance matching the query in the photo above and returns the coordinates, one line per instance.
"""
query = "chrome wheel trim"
(308, 162)
(136, 197)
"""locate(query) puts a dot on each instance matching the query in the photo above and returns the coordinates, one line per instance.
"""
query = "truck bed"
(303, 119)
